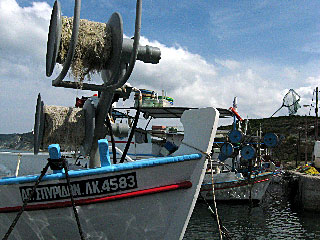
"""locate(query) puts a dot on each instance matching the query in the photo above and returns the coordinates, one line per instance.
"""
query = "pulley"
(248, 152)
(235, 136)
(222, 157)
(270, 139)
(227, 149)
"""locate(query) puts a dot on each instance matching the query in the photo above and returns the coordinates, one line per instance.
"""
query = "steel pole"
(316, 110)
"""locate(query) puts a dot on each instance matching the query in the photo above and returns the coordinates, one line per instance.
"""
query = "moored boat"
(237, 171)
(231, 186)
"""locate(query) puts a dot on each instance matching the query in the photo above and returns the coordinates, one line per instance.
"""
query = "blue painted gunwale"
(151, 162)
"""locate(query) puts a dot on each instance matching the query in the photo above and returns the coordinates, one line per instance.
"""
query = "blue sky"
(211, 52)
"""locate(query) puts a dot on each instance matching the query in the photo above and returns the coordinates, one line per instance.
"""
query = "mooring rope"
(226, 232)
(13, 224)
(65, 166)
(250, 182)
(25, 203)
(215, 203)
(222, 229)
(114, 153)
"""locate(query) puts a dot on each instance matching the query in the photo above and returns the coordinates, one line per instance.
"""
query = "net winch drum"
(114, 56)
(235, 136)
(270, 139)
(120, 52)
(54, 38)
(120, 130)
(38, 125)
(88, 118)
(227, 149)
(248, 152)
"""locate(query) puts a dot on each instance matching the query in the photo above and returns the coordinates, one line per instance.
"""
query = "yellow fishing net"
(308, 170)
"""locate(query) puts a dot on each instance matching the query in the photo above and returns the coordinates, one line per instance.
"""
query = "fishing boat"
(231, 186)
(146, 199)
(160, 140)
(155, 141)
(231, 182)
(236, 171)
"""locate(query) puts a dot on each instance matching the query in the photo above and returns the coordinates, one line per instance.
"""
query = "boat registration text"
(83, 188)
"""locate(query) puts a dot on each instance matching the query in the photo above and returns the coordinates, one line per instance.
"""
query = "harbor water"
(273, 218)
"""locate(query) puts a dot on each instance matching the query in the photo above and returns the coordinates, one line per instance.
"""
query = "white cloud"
(23, 30)
(188, 78)
(23, 42)
(192, 81)
(313, 81)
(230, 64)
(307, 94)
(290, 73)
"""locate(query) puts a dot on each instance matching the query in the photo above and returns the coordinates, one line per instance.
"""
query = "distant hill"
(289, 128)
(17, 141)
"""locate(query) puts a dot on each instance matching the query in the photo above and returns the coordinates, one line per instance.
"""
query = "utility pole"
(299, 153)
(260, 140)
(316, 110)
(306, 142)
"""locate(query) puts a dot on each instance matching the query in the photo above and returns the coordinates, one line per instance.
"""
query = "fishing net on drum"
(290, 101)
(64, 126)
(93, 47)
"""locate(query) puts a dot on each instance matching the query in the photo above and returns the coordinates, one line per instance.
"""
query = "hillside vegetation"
(17, 141)
(287, 128)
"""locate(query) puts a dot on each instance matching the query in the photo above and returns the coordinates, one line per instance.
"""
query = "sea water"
(273, 218)
(29, 163)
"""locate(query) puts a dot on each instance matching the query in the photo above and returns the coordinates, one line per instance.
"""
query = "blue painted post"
(54, 153)
(104, 152)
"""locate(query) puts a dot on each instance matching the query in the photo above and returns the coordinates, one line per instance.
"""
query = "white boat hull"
(236, 188)
(158, 197)
(146, 199)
